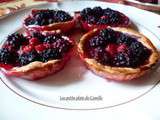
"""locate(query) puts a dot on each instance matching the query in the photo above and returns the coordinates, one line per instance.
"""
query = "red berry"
(40, 48)
(48, 45)
(34, 41)
(104, 17)
(111, 49)
(27, 48)
(122, 48)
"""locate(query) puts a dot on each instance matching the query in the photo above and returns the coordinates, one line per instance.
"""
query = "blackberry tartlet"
(101, 18)
(48, 20)
(117, 53)
(36, 56)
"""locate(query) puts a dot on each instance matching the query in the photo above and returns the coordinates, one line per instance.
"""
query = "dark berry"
(62, 46)
(121, 60)
(6, 57)
(38, 35)
(91, 19)
(100, 55)
(109, 35)
(97, 41)
(103, 21)
(124, 39)
(27, 58)
(50, 39)
(137, 48)
(86, 11)
(45, 17)
(50, 54)
(14, 41)
(62, 16)
(98, 11)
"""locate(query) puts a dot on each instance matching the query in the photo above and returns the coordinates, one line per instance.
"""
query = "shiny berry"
(97, 41)
(34, 41)
(27, 58)
(111, 49)
(121, 60)
(50, 54)
(40, 48)
(6, 56)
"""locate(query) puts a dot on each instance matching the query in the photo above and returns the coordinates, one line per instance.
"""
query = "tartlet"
(36, 56)
(97, 17)
(117, 53)
(49, 20)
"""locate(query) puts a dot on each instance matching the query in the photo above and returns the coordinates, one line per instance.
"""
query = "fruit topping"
(38, 47)
(100, 16)
(14, 41)
(46, 17)
(6, 56)
(114, 48)
(26, 58)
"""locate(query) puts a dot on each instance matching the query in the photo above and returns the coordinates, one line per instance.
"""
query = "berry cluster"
(100, 16)
(113, 48)
(46, 17)
(21, 50)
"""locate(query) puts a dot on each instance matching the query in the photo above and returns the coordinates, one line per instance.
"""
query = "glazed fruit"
(48, 20)
(117, 53)
(97, 17)
(35, 56)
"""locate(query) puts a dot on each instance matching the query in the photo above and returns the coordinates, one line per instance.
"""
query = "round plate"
(75, 87)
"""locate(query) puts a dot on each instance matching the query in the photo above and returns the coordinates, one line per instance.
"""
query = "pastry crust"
(36, 70)
(119, 73)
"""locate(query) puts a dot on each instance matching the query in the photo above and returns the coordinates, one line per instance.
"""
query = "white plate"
(75, 80)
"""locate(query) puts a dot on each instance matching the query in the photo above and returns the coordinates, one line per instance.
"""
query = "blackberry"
(138, 53)
(6, 57)
(86, 11)
(103, 21)
(62, 16)
(45, 17)
(91, 19)
(50, 54)
(97, 41)
(100, 55)
(109, 35)
(137, 48)
(50, 38)
(98, 11)
(14, 41)
(38, 35)
(112, 16)
(26, 58)
(62, 46)
(124, 39)
(121, 60)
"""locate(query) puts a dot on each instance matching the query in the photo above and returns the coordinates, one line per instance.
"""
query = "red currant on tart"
(49, 20)
(117, 53)
(36, 56)
(101, 18)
